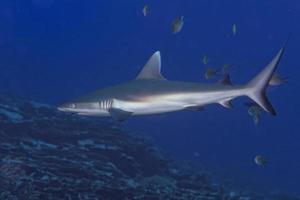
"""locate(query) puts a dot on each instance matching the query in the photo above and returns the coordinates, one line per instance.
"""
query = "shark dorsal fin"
(152, 68)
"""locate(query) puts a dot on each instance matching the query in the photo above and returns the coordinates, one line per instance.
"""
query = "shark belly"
(172, 102)
(101, 113)
(147, 108)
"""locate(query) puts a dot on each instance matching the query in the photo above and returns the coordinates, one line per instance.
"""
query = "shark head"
(70, 107)
(78, 107)
(92, 108)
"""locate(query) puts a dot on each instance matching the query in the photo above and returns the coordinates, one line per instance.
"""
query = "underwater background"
(51, 51)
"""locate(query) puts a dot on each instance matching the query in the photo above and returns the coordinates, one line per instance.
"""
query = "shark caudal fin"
(258, 85)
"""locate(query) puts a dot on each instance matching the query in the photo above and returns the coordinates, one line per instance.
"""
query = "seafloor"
(46, 154)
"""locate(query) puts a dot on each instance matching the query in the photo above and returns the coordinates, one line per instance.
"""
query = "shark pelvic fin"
(195, 108)
(226, 103)
(118, 114)
(152, 68)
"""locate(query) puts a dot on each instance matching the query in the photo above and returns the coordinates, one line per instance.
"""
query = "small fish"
(254, 111)
(234, 29)
(260, 160)
(177, 24)
(277, 80)
(146, 10)
(205, 59)
(210, 72)
(226, 68)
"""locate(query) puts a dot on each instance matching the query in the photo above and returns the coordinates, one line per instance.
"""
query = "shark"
(151, 93)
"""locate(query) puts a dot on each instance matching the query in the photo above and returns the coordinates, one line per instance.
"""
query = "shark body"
(151, 93)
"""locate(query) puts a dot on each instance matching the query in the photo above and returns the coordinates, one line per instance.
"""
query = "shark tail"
(257, 87)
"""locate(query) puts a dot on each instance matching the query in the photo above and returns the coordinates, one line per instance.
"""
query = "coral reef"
(46, 154)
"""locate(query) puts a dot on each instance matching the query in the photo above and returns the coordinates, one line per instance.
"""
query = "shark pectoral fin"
(226, 103)
(195, 108)
(119, 114)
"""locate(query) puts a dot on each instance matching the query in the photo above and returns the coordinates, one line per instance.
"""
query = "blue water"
(53, 50)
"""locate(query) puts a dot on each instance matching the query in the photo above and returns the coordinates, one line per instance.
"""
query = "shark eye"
(72, 105)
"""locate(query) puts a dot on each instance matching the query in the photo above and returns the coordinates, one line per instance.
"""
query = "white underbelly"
(169, 103)
(95, 112)
(153, 107)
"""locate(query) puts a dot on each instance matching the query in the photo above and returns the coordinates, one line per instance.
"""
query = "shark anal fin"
(118, 114)
(226, 103)
(195, 108)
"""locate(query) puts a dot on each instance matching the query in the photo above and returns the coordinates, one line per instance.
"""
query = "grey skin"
(151, 93)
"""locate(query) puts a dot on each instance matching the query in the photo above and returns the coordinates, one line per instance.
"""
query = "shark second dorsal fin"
(152, 68)
(226, 80)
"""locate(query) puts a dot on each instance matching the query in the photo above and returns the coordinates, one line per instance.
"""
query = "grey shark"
(151, 93)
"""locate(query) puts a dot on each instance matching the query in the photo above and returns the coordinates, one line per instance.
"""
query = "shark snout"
(61, 109)
(66, 107)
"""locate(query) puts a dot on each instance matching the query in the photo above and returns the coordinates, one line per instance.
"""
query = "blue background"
(53, 50)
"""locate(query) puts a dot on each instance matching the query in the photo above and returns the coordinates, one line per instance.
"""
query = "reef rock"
(46, 154)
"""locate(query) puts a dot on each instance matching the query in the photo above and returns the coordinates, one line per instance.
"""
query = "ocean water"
(54, 50)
